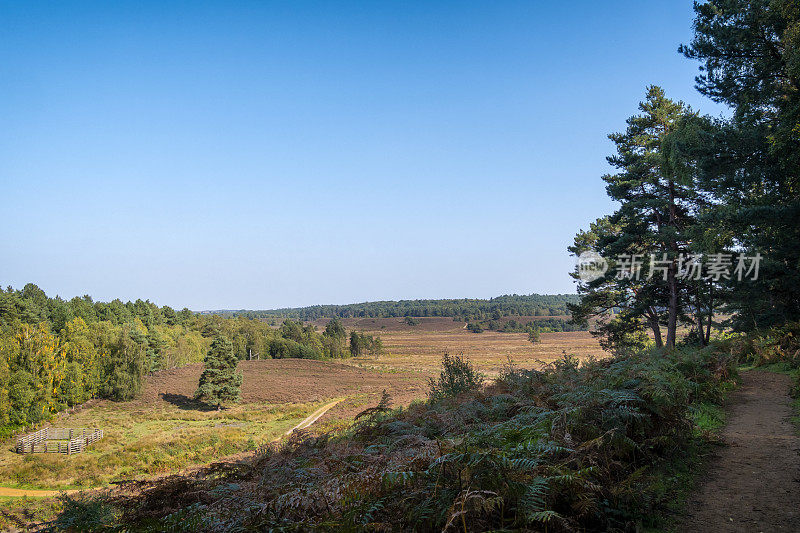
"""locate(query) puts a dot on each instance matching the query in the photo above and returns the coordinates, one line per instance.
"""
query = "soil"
(288, 381)
(753, 483)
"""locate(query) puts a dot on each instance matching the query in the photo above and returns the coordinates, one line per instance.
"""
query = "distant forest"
(543, 325)
(467, 309)
(56, 353)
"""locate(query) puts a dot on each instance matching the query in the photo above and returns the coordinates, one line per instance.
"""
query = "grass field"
(145, 440)
(164, 430)
(419, 348)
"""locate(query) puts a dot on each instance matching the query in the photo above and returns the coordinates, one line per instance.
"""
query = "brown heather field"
(420, 348)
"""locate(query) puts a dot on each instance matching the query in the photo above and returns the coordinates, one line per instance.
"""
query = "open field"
(279, 381)
(419, 348)
(145, 440)
(164, 430)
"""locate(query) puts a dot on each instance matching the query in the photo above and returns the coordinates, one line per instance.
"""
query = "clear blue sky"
(264, 154)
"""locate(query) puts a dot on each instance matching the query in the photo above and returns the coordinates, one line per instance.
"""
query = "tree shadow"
(181, 401)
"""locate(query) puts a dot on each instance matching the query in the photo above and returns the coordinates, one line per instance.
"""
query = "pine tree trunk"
(653, 320)
(672, 318)
(672, 282)
(699, 317)
(710, 313)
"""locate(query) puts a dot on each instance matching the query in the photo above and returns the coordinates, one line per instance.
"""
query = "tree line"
(57, 353)
(464, 309)
(709, 208)
(542, 325)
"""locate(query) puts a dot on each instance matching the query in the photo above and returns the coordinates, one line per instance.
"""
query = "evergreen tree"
(750, 54)
(356, 344)
(334, 338)
(658, 199)
(361, 343)
(220, 382)
(335, 329)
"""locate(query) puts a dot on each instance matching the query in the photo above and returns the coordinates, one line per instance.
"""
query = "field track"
(313, 417)
(19, 493)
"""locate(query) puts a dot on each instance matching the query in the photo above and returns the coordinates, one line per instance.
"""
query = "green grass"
(675, 480)
(707, 417)
(143, 440)
(781, 367)
(18, 514)
(673, 483)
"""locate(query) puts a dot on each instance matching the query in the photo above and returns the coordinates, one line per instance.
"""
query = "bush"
(759, 348)
(458, 376)
(85, 513)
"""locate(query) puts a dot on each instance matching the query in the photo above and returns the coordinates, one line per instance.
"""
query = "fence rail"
(58, 440)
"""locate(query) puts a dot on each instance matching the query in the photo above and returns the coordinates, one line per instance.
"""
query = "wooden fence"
(58, 440)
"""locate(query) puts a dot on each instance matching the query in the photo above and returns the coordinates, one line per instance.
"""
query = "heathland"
(478, 415)
(163, 429)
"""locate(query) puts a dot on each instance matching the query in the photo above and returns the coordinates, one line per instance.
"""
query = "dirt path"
(36, 493)
(313, 417)
(18, 493)
(753, 483)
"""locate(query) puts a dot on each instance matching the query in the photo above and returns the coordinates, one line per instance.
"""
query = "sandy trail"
(313, 417)
(19, 493)
(36, 493)
(753, 483)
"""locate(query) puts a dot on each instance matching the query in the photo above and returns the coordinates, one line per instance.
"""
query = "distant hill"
(466, 309)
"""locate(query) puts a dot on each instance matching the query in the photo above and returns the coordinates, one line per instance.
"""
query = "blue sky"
(265, 154)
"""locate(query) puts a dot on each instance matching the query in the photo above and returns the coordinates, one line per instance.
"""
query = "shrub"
(758, 348)
(85, 513)
(458, 376)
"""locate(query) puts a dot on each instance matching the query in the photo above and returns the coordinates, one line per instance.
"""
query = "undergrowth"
(776, 346)
(569, 447)
(458, 376)
(24, 514)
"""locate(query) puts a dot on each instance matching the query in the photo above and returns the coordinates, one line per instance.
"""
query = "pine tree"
(356, 344)
(220, 383)
(657, 195)
(334, 338)
(534, 335)
(750, 55)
